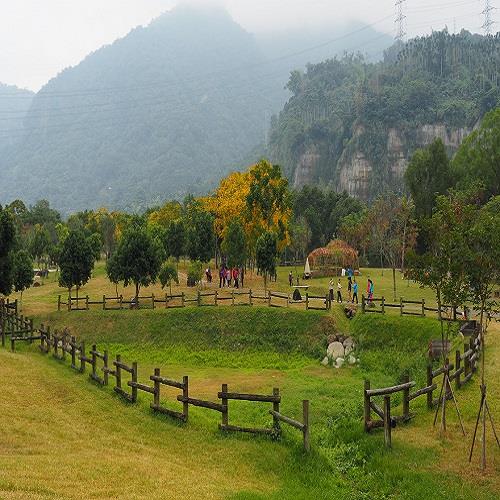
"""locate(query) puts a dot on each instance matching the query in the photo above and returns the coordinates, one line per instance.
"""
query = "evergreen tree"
(234, 246)
(176, 238)
(7, 242)
(23, 271)
(265, 253)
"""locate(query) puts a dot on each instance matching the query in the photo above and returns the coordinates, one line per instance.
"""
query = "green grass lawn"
(64, 437)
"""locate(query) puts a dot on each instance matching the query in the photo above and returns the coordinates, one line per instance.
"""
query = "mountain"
(14, 104)
(353, 125)
(166, 110)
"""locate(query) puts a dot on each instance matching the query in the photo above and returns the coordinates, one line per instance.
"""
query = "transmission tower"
(400, 20)
(488, 17)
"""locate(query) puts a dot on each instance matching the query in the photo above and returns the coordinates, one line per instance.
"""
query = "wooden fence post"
(183, 300)
(423, 307)
(105, 359)
(269, 298)
(94, 360)
(366, 400)
(215, 299)
(166, 300)
(466, 361)
(59, 303)
(276, 408)
(185, 397)
(153, 300)
(457, 368)
(134, 380)
(82, 357)
(104, 302)
(305, 417)
(307, 301)
(401, 306)
(250, 297)
(387, 422)
(406, 399)
(121, 301)
(73, 352)
(156, 393)
(199, 299)
(225, 411)
(383, 305)
(429, 383)
(232, 297)
(87, 302)
(363, 304)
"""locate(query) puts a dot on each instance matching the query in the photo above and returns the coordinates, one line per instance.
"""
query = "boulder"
(335, 350)
(326, 361)
(339, 362)
(351, 360)
(332, 338)
(348, 345)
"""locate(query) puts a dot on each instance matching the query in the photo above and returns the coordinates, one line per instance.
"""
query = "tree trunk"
(137, 294)
(394, 281)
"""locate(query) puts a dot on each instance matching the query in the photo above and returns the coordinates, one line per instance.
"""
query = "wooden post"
(406, 399)
(366, 400)
(423, 307)
(73, 353)
(156, 394)
(363, 304)
(457, 367)
(305, 416)
(269, 298)
(387, 422)
(105, 359)
(383, 305)
(82, 357)
(276, 408)
(183, 303)
(250, 297)
(454, 313)
(166, 300)
(104, 302)
(118, 372)
(69, 302)
(327, 301)
(307, 301)
(232, 297)
(466, 361)
(199, 299)
(121, 301)
(401, 306)
(59, 303)
(215, 299)
(134, 379)
(225, 411)
(153, 300)
(429, 383)
(87, 302)
(94, 360)
(185, 395)
(2, 327)
(288, 300)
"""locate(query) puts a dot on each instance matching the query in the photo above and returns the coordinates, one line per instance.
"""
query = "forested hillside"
(14, 104)
(354, 125)
(162, 112)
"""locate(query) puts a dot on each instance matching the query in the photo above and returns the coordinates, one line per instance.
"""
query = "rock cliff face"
(360, 175)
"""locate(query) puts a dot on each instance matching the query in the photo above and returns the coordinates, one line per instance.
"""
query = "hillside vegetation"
(355, 125)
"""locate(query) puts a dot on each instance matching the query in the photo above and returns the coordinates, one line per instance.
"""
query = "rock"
(348, 349)
(332, 338)
(352, 360)
(341, 338)
(348, 345)
(335, 350)
(339, 362)
(326, 361)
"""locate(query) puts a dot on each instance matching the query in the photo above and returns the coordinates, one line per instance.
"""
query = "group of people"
(231, 277)
(352, 289)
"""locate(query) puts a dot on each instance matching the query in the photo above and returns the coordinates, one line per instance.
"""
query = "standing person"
(290, 278)
(222, 276)
(355, 291)
(349, 286)
(330, 290)
(228, 277)
(369, 290)
(235, 277)
(339, 292)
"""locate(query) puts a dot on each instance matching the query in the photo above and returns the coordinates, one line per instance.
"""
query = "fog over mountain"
(164, 111)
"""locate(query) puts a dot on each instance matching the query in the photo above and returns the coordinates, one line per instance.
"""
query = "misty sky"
(39, 38)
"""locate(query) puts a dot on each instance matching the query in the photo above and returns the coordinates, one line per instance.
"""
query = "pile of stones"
(340, 351)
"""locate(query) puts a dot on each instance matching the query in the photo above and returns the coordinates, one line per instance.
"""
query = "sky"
(39, 38)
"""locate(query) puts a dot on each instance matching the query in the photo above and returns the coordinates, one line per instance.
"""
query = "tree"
(39, 244)
(199, 234)
(137, 259)
(176, 238)
(168, 273)
(7, 242)
(234, 245)
(266, 251)
(23, 271)
(195, 272)
(95, 243)
(428, 175)
(76, 261)
(478, 159)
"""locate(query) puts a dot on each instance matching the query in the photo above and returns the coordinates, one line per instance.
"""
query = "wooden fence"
(378, 305)
(61, 345)
(201, 299)
(465, 366)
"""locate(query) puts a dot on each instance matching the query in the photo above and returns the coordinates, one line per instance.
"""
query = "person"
(350, 272)
(369, 290)
(330, 288)
(235, 277)
(339, 292)
(290, 278)
(349, 286)
(222, 277)
(355, 291)
(207, 274)
(228, 277)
